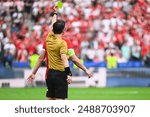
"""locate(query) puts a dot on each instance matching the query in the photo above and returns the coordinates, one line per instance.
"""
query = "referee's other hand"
(90, 75)
(30, 78)
(69, 79)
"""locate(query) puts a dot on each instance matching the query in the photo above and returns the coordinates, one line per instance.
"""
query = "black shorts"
(56, 84)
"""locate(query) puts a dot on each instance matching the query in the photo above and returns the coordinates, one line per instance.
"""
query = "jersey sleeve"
(63, 48)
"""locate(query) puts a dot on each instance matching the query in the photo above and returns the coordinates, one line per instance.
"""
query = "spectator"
(136, 52)
(125, 50)
(121, 59)
(111, 61)
(99, 55)
(22, 55)
(84, 46)
(9, 54)
(27, 7)
(8, 59)
(33, 59)
(90, 53)
(10, 48)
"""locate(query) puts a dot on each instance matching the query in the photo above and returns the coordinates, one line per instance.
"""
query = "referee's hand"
(30, 78)
(90, 75)
(55, 8)
(69, 79)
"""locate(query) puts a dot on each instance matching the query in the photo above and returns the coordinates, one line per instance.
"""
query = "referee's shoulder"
(63, 41)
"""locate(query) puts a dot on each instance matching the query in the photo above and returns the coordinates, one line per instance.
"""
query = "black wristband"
(53, 13)
(68, 71)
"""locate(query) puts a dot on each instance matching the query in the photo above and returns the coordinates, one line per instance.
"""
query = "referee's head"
(58, 26)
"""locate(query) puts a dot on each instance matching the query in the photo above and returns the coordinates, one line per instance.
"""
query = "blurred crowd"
(97, 28)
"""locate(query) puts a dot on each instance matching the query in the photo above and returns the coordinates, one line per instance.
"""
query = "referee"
(58, 72)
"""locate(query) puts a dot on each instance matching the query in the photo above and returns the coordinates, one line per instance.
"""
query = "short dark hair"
(58, 26)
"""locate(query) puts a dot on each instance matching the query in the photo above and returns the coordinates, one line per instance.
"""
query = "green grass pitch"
(122, 93)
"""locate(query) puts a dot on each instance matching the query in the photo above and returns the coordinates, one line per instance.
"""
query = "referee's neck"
(58, 35)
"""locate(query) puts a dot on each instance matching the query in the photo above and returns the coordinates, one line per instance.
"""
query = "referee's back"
(54, 47)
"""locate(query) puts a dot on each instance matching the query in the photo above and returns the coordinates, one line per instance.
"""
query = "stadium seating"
(106, 26)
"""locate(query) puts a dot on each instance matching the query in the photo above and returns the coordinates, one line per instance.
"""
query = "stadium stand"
(100, 27)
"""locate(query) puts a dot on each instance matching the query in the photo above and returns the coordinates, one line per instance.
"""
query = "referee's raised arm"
(54, 18)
